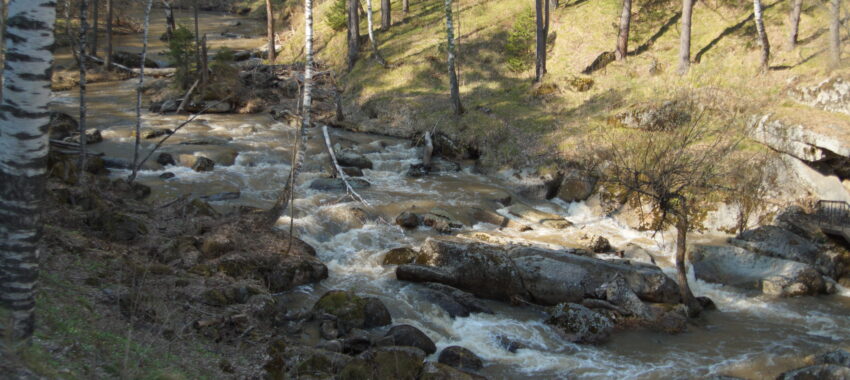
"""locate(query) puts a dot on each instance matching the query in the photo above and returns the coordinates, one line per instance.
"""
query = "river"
(751, 336)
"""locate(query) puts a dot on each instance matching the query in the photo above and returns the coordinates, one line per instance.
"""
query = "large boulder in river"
(542, 276)
(353, 311)
(741, 268)
(399, 363)
(775, 242)
(407, 335)
(355, 160)
(580, 324)
(461, 358)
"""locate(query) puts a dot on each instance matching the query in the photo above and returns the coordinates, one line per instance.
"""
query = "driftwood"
(338, 170)
(186, 97)
(156, 73)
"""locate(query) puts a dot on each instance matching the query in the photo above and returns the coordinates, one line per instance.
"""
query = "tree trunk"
(108, 57)
(834, 33)
(623, 37)
(540, 51)
(3, 14)
(95, 28)
(762, 34)
(554, 4)
(84, 33)
(170, 25)
(353, 33)
(288, 193)
(386, 15)
(375, 53)
(270, 27)
(681, 267)
(139, 93)
(24, 116)
(197, 37)
(795, 24)
(685, 37)
(405, 6)
(455, 91)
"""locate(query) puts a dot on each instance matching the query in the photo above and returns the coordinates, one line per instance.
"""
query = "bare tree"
(542, 18)
(762, 34)
(675, 171)
(685, 37)
(24, 116)
(450, 41)
(623, 36)
(81, 62)
(353, 32)
(386, 15)
(95, 29)
(109, 6)
(288, 194)
(405, 6)
(270, 27)
(170, 25)
(796, 10)
(834, 32)
(375, 53)
(137, 143)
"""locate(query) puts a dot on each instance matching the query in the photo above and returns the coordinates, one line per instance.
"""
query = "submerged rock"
(336, 184)
(741, 268)
(407, 220)
(354, 160)
(455, 302)
(399, 256)
(580, 324)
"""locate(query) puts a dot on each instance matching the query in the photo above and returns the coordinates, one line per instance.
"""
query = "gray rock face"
(832, 95)
(407, 335)
(576, 187)
(775, 242)
(543, 276)
(534, 186)
(580, 324)
(818, 372)
(741, 268)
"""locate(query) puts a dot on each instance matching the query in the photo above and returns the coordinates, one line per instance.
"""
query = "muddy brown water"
(751, 336)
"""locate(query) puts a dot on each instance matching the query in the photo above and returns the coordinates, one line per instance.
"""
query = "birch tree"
(375, 53)
(405, 6)
(450, 40)
(139, 92)
(23, 157)
(386, 15)
(834, 32)
(108, 62)
(794, 18)
(270, 27)
(685, 37)
(95, 26)
(353, 32)
(623, 36)
(762, 35)
(288, 194)
(84, 26)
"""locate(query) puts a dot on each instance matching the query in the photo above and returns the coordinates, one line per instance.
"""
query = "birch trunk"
(84, 29)
(197, 37)
(762, 34)
(288, 193)
(386, 15)
(685, 37)
(95, 26)
(834, 32)
(270, 27)
(139, 93)
(623, 37)
(170, 25)
(796, 10)
(3, 14)
(405, 6)
(108, 57)
(375, 53)
(453, 82)
(353, 33)
(24, 116)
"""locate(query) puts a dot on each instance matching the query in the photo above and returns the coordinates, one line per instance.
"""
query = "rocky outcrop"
(739, 267)
(831, 95)
(664, 117)
(802, 142)
(547, 277)
(776, 242)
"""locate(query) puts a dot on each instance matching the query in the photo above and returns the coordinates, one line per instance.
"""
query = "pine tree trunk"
(24, 116)
(353, 33)
(288, 193)
(623, 37)
(795, 24)
(386, 15)
(834, 33)
(762, 34)
(95, 28)
(453, 82)
(137, 143)
(405, 6)
(108, 57)
(540, 51)
(270, 26)
(685, 37)
(84, 29)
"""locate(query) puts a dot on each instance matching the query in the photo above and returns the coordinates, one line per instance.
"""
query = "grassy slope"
(412, 94)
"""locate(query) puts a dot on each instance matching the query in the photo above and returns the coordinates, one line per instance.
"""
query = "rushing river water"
(751, 336)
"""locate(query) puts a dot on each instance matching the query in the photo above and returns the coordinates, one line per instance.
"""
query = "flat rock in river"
(776, 242)
(534, 215)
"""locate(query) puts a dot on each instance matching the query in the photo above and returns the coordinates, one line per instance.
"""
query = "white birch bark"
(139, 92)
